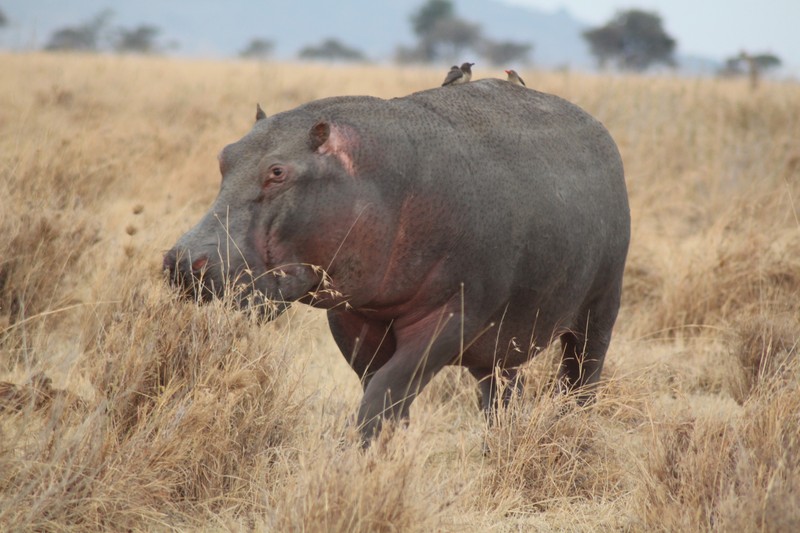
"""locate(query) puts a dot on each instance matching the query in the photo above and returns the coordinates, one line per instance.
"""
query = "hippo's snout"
(170, 261)
(190, 274)
(200, 279)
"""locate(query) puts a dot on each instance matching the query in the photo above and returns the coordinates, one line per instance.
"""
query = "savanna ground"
(123, 407)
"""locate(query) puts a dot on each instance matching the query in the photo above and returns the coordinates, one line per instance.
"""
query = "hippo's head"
(286, 204)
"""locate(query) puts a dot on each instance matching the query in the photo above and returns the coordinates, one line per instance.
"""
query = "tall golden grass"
(124, 408)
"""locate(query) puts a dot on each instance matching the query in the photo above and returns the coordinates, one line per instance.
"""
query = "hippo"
(463, 225)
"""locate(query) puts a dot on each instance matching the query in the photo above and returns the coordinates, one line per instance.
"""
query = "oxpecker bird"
(514, 78)
(459, 75)
(454, 76)
(466, 68)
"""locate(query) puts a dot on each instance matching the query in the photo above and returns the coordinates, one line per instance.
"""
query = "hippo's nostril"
(199, 263)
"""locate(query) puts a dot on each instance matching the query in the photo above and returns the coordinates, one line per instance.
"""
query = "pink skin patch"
(341, 143)
(199, 263)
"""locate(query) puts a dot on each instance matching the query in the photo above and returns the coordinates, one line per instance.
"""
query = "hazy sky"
(716, 28)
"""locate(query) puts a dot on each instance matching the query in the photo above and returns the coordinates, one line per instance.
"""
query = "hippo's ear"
(339, 140)
(318, 135)
(260, 113)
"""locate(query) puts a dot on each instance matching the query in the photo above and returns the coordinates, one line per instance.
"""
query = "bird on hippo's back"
(458, 75)
(515, 78)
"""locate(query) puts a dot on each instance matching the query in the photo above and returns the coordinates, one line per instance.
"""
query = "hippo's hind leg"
(367, 345)
(494, 393)
(585, 345)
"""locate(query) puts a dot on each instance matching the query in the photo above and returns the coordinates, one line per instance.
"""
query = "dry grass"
(122, 407)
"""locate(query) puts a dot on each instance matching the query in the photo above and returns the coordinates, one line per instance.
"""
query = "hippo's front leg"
(423, 348)
(366, 344)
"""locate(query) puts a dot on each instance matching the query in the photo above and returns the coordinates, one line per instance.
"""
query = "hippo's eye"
(276, 173)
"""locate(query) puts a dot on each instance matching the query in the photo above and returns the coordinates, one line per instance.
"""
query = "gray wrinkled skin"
(470, 224)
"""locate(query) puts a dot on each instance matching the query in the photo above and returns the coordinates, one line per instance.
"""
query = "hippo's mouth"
(202, 280)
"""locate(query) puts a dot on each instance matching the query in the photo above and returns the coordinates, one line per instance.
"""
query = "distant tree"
(505, 52)
(440, 33)
(332, 50)
(751, 65)
(72, 39)
(424, 20)
(739, 64)
(604, 43)
(84, 37)
(633, 39)
(257, 49)
(140, 40)
(764, 61)
(450, 37)
(3, 19)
